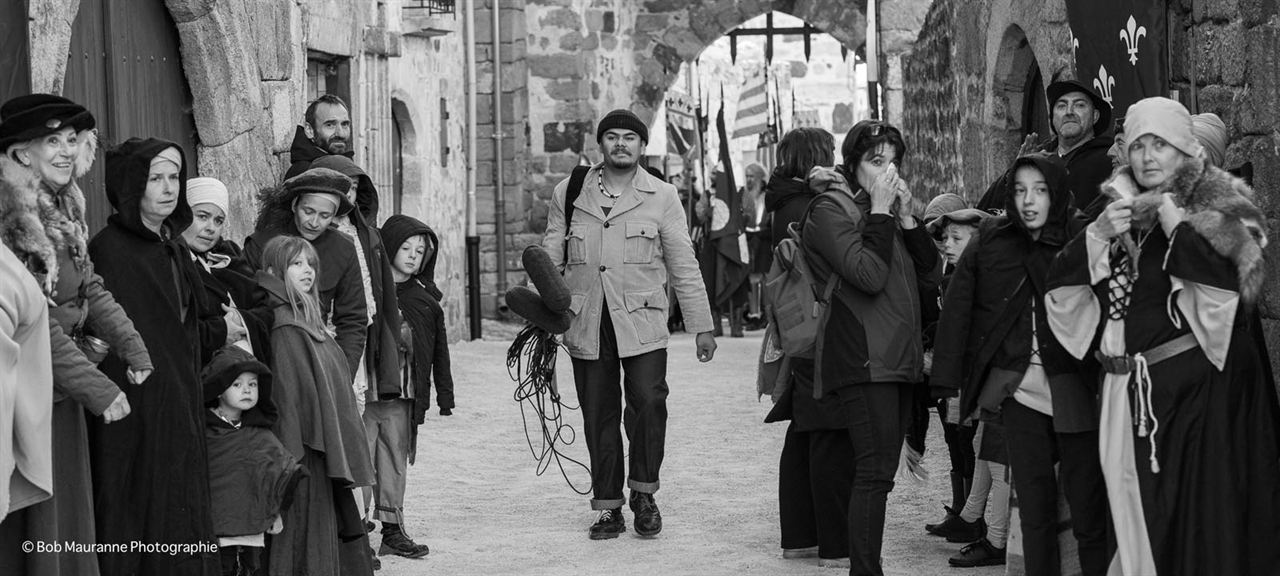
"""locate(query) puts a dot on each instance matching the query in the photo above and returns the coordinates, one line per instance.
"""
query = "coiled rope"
(531, 363)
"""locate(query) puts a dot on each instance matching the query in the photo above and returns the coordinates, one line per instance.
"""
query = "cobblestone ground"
(474, 498)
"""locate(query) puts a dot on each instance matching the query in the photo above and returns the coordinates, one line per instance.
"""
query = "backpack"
(795, 308)
(795, 302)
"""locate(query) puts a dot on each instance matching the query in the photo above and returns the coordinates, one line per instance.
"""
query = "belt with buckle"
(1126, 364)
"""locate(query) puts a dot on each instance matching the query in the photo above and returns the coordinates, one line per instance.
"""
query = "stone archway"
(1015, 72)
(408, 177)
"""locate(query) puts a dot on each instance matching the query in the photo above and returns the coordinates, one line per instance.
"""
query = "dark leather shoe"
(401, 545)
(980, 553)
(961, 532)
(648, 519)
(609, 525)
(933, 528)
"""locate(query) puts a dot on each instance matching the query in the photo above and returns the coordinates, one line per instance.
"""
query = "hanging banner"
(1120, 48)
(15, 59)
(682, 126)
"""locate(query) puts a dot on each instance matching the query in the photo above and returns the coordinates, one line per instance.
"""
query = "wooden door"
(125, 68)
(15, 58)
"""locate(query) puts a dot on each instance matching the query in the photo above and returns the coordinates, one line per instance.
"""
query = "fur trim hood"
(1220, 207)
(275, 211)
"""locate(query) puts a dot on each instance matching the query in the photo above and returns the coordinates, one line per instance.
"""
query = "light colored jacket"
(625, 258)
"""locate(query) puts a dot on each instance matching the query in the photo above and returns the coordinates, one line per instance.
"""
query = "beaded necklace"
(603, 190)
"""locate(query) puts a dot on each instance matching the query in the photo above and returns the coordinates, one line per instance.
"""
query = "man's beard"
(328, 145)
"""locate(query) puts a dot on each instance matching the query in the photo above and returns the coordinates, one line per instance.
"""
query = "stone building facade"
(249, 68)
(973, 73)
(565, 63)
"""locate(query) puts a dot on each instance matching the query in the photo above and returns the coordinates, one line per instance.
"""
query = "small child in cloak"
(252, 475)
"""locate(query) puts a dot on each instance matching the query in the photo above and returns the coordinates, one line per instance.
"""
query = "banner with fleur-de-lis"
(1120, 48)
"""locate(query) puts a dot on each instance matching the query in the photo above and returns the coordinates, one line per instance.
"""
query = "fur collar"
(1220, 207)
(20, 226)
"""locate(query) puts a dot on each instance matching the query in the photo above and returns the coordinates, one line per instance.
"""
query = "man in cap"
(304, 206)
(1080, 119)
(626, 238)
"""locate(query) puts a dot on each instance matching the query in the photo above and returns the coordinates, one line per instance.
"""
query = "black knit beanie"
(624, 119)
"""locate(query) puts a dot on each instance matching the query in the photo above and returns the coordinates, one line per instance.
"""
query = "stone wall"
(435, 178)
(1226, 60)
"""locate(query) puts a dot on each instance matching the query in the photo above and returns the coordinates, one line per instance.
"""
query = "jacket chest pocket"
(641, 242)
(575, 247)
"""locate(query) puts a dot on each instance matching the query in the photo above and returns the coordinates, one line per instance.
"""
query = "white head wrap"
(206, 190)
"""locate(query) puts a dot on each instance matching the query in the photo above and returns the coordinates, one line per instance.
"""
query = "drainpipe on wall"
(473, 239)
(499, 195)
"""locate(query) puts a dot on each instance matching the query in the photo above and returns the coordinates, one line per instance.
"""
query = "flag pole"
(873, 60)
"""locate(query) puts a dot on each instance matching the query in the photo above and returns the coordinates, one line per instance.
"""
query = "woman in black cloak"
(149, 471)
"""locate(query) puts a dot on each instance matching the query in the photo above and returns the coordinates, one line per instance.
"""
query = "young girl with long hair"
(318, 421)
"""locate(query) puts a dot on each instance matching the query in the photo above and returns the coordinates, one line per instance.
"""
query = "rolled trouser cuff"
(606, 504)
(646, 487)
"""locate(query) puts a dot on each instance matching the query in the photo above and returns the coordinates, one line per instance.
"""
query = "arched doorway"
(406, 168)
(124, 67)
(1018, 99)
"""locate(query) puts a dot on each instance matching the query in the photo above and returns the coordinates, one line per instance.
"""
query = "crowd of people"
(172, 404)
(1088, 330)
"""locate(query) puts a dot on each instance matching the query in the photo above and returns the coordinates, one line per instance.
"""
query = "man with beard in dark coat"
(326, 129)
(994, 346)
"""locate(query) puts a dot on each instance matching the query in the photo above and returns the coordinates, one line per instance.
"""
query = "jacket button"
(606, 224)
(603, 268)
(646, 303)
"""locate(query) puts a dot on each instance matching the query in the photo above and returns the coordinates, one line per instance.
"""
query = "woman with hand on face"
(150, 480)
(47, 142)
(873, 351)
(1164, 282)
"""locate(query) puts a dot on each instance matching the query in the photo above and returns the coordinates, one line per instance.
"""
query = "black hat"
(623, 119)
(529, 305)
(1060, 88)
(321, 181)
(228, 363)
(35, 115)
(549, 282)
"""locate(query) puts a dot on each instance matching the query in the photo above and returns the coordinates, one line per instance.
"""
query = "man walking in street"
(623, 240)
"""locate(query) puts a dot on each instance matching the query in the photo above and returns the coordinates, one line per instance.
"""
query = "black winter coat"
(986, 319)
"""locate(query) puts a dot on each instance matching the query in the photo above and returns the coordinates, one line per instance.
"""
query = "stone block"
(1221, 54)
(652, 6)
(562, 164)
(556, 65)
(274, 38)
(1216, 10)
(49, 37)
(284, 112)
(381, 41)
(1264, 76)
(1256, 12)
(571, 42)
(566, 89)
(221, 74)
(183, 11)
(242, 165)
(564, 136)
(1225, 101)
(564, 18)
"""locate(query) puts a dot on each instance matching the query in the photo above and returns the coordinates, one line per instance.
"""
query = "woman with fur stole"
(48, 141)
(1160, 289)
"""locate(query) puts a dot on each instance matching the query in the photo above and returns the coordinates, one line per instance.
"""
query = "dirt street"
(475, 500)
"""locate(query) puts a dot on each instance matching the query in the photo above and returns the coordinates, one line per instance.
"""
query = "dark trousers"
(240, 560)
(918, 428)
(959, 441)
(878, 415)
(815, 480)
(1034, 448)
(644, 386)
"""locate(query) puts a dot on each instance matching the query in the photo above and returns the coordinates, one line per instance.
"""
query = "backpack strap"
(571, 194)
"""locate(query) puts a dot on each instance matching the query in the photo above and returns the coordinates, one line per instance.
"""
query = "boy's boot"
(395, 541)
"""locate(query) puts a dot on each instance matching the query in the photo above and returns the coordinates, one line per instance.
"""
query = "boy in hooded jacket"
(424, 356)
(995, 347)
(252, 475)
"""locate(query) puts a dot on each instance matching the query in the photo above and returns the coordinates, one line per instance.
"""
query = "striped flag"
(753, 107)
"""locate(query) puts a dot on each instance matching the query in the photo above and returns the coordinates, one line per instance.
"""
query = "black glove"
(446, 411)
